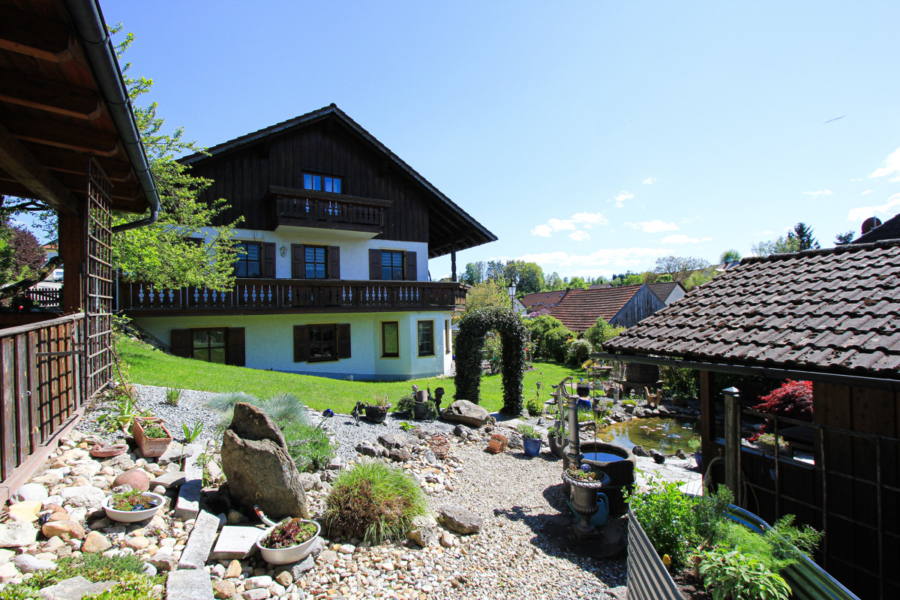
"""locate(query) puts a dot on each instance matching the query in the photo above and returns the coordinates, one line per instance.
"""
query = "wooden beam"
(707, 420)
(16, 160)
(62, 134)
(67, 161)
(32, 35)
(51, 96)
(125, 190)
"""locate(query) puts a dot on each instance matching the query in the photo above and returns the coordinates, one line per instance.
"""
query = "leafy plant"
(223, 403)
(535, 406)
(405, 426)
(794, 399)
(685, 382)
(578, 352)
(731, 575)
(406, 404)
(374, 502)
(155, 432)
(694, 444)
(766, 442)
(528, 432)
(133, 500)
(309, 446)
(203, 460)
(380, 400)
(191, 435)
(629, 401)
(128, 570)
(290, 532)
(284, 408)
(173, 396)
(601, 332)
(553, 344)
(777, 548)
(124, 414)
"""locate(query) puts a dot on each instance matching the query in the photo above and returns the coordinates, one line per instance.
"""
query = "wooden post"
(453, 262)
(72, 249)
(707, 420)
(732, 443)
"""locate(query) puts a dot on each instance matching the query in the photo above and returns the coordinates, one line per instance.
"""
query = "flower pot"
(532, 446)
(150, 447)
(286, 556)
(377, 414)
(421, 411)
(132, 516)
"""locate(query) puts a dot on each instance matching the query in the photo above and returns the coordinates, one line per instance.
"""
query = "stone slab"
(190, 584)
(172, 454)
(75, 588)
(188, 503)
(203, 535)
(168, 480)
(236, 542)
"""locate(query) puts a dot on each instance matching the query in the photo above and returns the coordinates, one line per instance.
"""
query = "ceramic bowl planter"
(291, 554)
(133, 516)
(150, 447)
(532, 446)
(375, 413)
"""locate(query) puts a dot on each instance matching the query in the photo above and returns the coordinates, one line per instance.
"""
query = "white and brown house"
(337, 232)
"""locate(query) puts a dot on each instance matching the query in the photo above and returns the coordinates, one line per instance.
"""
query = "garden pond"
(664, 435)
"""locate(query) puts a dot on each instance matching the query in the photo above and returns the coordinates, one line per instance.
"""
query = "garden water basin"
(664, 435)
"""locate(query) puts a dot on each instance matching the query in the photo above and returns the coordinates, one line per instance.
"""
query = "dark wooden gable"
(243, 177)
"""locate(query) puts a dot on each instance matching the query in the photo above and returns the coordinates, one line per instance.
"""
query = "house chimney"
(870, 224)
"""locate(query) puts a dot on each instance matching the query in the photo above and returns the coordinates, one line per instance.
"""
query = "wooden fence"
(44, 298)
(42, 387)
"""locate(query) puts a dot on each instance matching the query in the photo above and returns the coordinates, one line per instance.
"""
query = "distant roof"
(579, 309)
(834, 310)
(889, 230)
(473, 233)
(664, 290)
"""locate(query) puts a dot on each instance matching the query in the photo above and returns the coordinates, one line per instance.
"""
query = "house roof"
(579, 309)
(834, 311)
(664, 290)
(889, 230)
(469, 232)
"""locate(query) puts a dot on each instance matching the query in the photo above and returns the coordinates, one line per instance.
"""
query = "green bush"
(553, 344)
(534, 406)
(601, 332)
(374, 502)
(578, 352)
(685, 382)
(737, 576)
(309, 446)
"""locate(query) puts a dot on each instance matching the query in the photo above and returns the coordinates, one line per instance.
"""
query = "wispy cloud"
(867, 192)
(891, 167)
(620, 198)
(579, 236)
(649, 181)
(654, 226)
(864, 212)
(584, 220)
(818, 193)
(680, 238)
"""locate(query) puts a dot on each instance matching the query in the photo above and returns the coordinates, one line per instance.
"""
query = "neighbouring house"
(889, 230)
(68, 140)
(668, 292)
(826, 316)
(519, 307)
(336, 236)
(578, 310)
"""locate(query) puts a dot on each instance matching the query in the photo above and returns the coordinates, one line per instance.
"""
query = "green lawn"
(152, 367)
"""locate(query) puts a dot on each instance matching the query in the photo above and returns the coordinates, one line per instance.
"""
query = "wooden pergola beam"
(66, 161)
(62, 134)
(18, 162)
(33, 36)
(50, 96)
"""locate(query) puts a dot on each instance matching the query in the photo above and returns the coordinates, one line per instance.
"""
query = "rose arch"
(469, 344)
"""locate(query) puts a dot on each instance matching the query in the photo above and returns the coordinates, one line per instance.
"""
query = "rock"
(262, 581)
(310, 481)
(460, 520)
(235, 542)
(640, 413)
(277, 590)
(424, 531)
(29, 564)
(234, 569)
(52, 477)
(164, 560)
(150, 570)
(658, 458)
(14, 535)
(223, 589)
(75, 588)
(95, 542)
(31, 492)
(137, 542)
(191, 584)
(86, 496)
(447, 539)
(515, 440)
(258, 466)
(285, 578)
(169, 479)
(304, 566)
(86, 469)
(467, 413)
(136, 478)
(370, 449)
(234, 517)
(462, 431)
(256, 594)
(392, 441)
(400, 455)
(430, 458)
(8, 571)
(26, 512)
(6, 556)
(196, 552)
(640, 451)
(680, 454)
(66, 530)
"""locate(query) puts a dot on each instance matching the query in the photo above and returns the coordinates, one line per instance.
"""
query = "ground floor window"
(390, 339)
(321, 342)
(426, 338)
(209, 345)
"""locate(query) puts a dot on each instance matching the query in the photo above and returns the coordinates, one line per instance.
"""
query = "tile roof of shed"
(834, 310)
(579, 309)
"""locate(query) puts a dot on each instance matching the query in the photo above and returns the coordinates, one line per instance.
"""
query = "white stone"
(235, 542)
(190, 584)
(31, 491)
(86, 496)
(29, 564)
(262, 581)
(14, 534)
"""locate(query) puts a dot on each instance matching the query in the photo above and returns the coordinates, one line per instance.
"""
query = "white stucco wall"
(269, 342)
(354, 249)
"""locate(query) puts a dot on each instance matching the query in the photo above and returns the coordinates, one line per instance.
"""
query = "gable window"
(321, 183)
(426, 338)
(321, 342)
(315, 262)
(249, 261)
(390, 339)
(391, 265)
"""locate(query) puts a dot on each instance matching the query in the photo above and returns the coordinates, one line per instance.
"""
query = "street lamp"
(512, 292)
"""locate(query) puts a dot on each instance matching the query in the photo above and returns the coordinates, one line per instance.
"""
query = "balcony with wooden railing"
(262, 296)
(308, 208)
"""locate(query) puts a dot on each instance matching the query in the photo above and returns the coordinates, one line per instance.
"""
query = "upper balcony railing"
(300, 295)
(308, 208)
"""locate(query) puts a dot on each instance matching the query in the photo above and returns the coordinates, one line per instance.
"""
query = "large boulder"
(258, 466)
(467, 413)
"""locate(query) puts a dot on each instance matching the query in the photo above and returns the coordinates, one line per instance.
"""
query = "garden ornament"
(328, 413)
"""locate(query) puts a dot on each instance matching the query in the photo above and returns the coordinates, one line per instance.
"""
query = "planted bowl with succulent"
(288, 542)
(132, 506)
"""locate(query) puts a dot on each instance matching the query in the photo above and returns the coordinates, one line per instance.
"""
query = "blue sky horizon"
(591, 138)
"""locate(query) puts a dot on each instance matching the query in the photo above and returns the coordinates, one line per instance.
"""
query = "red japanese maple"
(794, 399)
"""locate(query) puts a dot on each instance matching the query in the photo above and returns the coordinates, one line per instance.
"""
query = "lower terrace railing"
(286, 294)
(44, 298)
(42, 387)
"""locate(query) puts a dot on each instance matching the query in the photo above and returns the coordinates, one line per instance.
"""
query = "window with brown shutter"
(249, 261)
(181, 342)
(322, 342)
(394, 265)
(220, 345)
(235, 354)
(268, 260)
(315, 262)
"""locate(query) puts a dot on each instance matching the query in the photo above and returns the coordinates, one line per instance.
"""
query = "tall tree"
(553, 282)
(680, 267)
(531, 277)
(845, 238)
(803, 233)
(490, 294)
(474, 273)
(730, 256)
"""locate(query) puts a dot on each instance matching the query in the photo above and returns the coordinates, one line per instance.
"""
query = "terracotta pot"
(150, 447)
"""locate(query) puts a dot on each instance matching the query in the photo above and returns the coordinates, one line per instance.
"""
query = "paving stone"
(169, 480)
(190, 584)
(196, 552)
(75, 588)
(13, 535)
(188, 504)
(172, 454)
(236, 542)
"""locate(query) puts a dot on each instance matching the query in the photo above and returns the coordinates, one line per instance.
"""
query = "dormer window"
(321, 183)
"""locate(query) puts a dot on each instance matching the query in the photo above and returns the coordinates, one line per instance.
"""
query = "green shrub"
(284, 408)
(309, 446)
(736, 576)
(553, 344)
(374, 502)
(685, 382)
(601, 332)
(173, 396)
(578, 352)
(534, 406)
(127, 570)
(222, 403)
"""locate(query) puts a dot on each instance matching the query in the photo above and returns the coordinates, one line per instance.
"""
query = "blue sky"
(590, 137)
